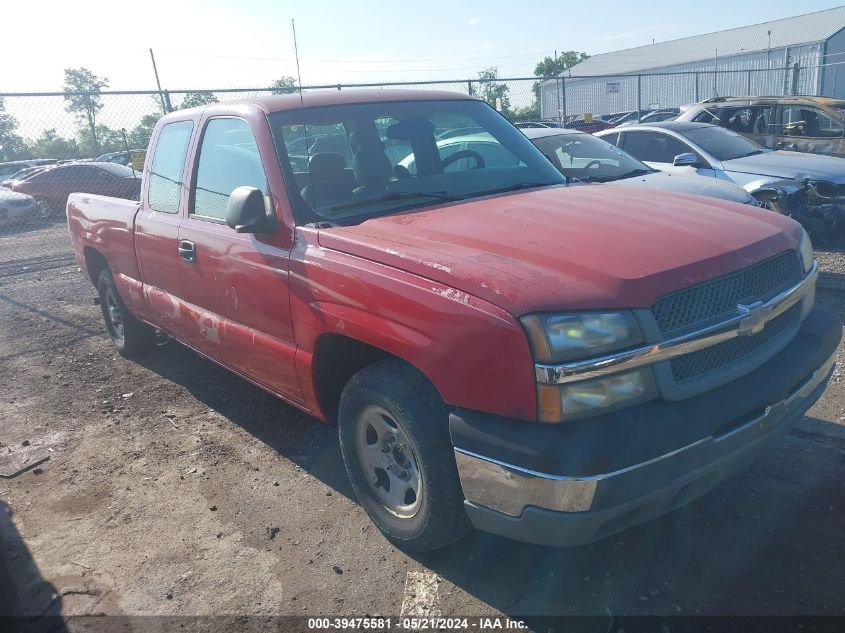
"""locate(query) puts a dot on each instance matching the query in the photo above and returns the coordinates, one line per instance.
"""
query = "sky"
(248, 43)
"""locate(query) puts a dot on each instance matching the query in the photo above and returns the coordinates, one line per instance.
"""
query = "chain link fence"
(99, 139)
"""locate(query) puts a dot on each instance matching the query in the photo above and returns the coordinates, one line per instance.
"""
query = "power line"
(347, 60)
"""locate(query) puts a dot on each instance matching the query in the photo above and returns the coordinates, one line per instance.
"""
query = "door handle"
(187, 250)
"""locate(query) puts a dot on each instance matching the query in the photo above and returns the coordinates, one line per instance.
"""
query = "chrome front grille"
(713, 301)
(702, 362)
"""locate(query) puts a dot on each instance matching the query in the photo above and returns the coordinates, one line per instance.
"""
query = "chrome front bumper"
(510, 489)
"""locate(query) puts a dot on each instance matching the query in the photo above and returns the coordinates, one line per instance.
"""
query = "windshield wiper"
(397, 195)
(635, 172)
(754, 153)
(516, 187)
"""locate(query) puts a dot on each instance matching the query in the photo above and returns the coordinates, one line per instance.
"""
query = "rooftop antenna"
(304, 126)
(716, 73)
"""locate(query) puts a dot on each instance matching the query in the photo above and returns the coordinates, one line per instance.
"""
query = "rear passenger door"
(808, 129)
(235, 285)
(157, 225)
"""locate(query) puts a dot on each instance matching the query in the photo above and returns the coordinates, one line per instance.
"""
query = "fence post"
(749, 83)
(796, 69)
(639, 94)
(469, 87)
(696, 88)
(338, 86)
(557, 98)
(563, 99)
(167, 103)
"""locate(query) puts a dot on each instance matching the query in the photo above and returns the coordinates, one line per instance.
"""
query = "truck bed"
(106, 225)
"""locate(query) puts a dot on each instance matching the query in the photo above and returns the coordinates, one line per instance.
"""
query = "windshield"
(26, 172)
(585, 158)
(723, 144)
(353, 162)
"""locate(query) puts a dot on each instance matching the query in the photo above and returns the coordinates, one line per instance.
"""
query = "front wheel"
(130, 336)
(394, 437)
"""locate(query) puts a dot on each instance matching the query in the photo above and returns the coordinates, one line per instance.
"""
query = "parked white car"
(17, 208)
(582, 157)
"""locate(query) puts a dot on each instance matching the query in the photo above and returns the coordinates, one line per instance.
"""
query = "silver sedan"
(584, 158)
(809, 187)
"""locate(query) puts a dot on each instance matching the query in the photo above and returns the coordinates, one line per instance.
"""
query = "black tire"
(130, 336)
(421, 418)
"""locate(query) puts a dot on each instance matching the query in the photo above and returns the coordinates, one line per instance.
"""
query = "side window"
(494, 155)
(798, 121)
(228, 159)
(167, 167)
(827, 126)
(654, 147)
(750, 120)
(613, 138)
(706, 116)
(397, 150)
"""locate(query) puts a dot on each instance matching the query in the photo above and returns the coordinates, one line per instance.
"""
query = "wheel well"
(337, 358)
(95, 263)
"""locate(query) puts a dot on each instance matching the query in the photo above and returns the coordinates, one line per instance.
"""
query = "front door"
(658, 150)
(235, 285)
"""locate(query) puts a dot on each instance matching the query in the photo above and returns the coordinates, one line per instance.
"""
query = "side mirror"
(246, 213)
(685, 160)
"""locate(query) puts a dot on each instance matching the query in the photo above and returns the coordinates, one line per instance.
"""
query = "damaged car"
(806, 187)
(798, 123)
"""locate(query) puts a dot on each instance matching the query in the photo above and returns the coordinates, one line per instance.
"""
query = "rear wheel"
(130, 336)
(395, 441)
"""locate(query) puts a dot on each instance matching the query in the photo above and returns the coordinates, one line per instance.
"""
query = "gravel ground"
(174, 487)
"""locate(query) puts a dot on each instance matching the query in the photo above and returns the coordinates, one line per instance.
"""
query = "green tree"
(51, 145)
(284, 85)
(82, 93)
(492, 91)
(549, 68)
(194, 99)
(12, 146)
(553, 67)
(140, 135)
(106, 140)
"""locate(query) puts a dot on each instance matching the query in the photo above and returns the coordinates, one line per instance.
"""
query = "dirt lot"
(173, 487)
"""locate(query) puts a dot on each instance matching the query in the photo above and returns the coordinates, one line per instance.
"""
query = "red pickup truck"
(552, 363)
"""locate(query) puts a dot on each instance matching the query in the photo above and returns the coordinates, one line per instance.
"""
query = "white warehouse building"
(804, 54)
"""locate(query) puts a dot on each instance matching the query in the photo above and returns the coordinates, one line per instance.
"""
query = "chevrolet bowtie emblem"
(754, 317)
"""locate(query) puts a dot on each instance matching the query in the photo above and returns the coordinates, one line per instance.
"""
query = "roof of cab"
(278, 103)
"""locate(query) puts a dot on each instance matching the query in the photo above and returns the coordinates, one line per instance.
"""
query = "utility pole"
(158, 83)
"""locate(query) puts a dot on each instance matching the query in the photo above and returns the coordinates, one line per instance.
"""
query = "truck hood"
(796, 165)
(710, 187)
(570, 248)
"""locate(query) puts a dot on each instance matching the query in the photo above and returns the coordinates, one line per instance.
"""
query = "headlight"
(556, 338)
(572, 401)
(806, 252)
